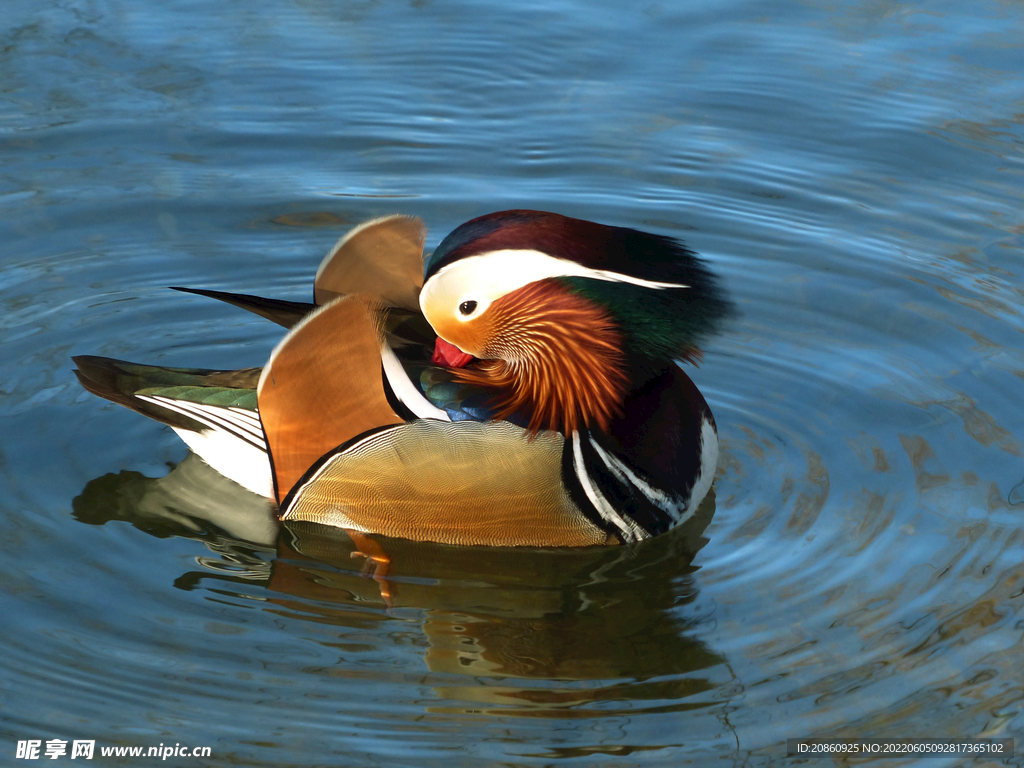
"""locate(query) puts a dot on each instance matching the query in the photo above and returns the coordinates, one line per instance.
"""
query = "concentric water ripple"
(852, 172)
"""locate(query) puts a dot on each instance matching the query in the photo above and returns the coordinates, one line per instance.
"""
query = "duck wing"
(382, 257)
(135, 386)
(214, 412)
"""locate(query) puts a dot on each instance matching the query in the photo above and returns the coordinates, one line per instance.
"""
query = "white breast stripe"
(630, 531)
(708, 465)
(407, 392)
(658, 498)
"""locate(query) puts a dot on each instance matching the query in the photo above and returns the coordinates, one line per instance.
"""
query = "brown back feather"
(323, 386)
(383, 257)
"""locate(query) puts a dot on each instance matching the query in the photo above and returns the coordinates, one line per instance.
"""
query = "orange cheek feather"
(569, 366)
(469, 337)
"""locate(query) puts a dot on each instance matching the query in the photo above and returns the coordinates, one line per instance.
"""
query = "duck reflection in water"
(595, 613)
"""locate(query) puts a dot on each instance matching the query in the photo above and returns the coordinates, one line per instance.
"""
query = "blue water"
(852, 171)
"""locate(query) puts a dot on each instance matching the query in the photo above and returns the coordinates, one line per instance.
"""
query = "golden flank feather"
(426, 480)
(554, 355)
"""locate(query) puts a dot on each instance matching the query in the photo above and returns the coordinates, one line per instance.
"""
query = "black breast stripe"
(586, 491)
(616, 484)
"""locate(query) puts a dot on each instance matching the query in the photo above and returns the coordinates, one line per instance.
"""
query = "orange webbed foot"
(376, 565)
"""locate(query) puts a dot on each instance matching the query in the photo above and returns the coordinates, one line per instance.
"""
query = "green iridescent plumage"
(664, 323)
(123, 382)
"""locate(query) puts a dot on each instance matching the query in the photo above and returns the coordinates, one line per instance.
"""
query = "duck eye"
(467, 307)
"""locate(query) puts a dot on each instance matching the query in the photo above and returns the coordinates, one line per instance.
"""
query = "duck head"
(566, 316)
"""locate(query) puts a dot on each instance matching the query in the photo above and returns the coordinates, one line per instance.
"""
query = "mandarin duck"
(518, 387)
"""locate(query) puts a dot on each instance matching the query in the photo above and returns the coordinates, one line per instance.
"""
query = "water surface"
(852, 170)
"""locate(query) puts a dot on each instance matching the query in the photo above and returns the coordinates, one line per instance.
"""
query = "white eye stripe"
(529, 265)
(488, 276)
